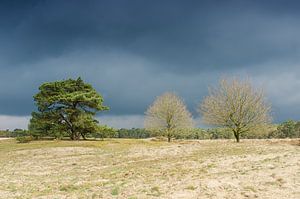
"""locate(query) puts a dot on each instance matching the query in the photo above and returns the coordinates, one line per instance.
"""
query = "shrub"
(104, 132)
(260, 132)
(5, 133)
(288, 129)
(220, 133)
(24, 139)
(133, 133)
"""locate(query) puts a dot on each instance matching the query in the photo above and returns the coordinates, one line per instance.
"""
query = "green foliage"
(5, 133)
(115, 191)
(85, 124)
(260, 132)
(182, 133)
(133, 133)
(203, 134)
(14, 133)
(24, 139)
(41, 125)
(220, 133)
(195, 133)
(19, 132)
(66, 107)
(288, 129)
(104, 132)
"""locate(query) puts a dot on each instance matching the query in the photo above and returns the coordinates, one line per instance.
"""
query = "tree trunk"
(77, 136)
(237, 136)
(72, 135)
(83, 136)
(169, 134)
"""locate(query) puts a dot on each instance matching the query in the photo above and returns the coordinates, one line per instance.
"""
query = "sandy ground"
(148, 169)
(4, 138)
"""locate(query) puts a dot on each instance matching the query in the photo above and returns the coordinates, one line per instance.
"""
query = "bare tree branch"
(167, 115)
(236, 105)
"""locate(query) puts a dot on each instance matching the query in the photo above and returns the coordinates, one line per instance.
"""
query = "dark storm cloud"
(195, 34)
(132, 51)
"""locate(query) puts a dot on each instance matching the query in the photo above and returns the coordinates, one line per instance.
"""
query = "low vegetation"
(288, 129)
(43, 162)
(142, 168)
(67, 108)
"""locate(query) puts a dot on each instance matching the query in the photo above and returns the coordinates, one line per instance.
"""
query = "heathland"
(149, 168)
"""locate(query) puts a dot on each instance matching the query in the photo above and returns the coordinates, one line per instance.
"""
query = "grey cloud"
(132, 51)
(13, 122)
(122, 121)
(193, 35)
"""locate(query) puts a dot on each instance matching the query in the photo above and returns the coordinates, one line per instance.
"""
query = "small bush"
(24, 139)
(115, 191)
(132, 133)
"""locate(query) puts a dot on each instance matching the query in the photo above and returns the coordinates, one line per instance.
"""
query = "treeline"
(66, 110)
(105, 132)
(288, 129)
(14, 133)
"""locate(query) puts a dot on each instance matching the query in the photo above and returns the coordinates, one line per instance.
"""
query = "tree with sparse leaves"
(235, 105)
(168, 116)
(67, 106)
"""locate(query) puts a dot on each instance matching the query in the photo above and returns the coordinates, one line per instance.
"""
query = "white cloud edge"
(116, 121)
(13, 122)
(122, 121)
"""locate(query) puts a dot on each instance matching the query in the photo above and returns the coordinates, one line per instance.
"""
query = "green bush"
(196, 133)
(104, 132)
(24, 139)
(5, 133)
(288, 129)
(260, 132)
(14, 133)
(220, 133)
(133, 133)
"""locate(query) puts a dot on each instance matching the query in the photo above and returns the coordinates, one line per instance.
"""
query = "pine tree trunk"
(83, 136)
(72, 136)
(77, 136)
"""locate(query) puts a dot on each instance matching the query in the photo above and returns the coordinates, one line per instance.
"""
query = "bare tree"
(235, 105)
(167, 116)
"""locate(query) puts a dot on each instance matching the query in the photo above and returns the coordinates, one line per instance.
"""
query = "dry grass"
(150, 169)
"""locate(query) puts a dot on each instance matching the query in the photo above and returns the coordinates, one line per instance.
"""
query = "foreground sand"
(150, 169)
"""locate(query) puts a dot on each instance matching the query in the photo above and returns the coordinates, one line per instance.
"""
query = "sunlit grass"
(129, 168)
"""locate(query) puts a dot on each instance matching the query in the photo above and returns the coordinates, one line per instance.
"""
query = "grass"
(123, 168)
(191, 187)
(115, 191)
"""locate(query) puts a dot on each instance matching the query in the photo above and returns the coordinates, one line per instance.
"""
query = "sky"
(134, 50)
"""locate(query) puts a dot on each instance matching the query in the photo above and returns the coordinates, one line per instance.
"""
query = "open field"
(150, 169)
